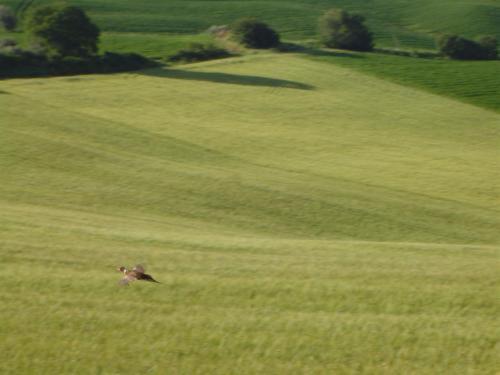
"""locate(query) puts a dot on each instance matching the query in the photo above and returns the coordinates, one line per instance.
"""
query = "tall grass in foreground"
(230, 304)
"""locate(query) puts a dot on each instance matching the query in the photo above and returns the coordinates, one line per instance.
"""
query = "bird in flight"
(137, 273)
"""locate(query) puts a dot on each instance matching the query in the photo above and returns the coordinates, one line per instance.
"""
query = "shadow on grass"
(234, 79)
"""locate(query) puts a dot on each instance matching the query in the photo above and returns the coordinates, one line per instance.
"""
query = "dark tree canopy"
(7, 18)
(489, 44)
(340, 29)
(64, 30)
(255, 34)
(457, 47)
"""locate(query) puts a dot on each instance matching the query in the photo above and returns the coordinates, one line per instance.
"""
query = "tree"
(340, 29)
(7, 18)
(254, 34)
(490, 47)
(64, 30)
(457, 47)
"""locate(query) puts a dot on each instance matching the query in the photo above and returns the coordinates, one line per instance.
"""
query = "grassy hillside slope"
(476, 82)
(159, 29)
(396, 23)
(302, 217)
(402, 164)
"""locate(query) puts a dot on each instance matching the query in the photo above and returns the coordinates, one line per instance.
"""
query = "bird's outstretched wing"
(139, 268)
(126, 280)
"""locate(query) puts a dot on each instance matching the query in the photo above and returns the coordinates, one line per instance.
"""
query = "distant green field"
(409, 23)
(159, 29)
(476, 82)
(160, 46)
(151, 45)
(303, 217)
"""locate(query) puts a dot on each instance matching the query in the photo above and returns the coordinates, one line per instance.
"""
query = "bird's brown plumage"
(137, 273)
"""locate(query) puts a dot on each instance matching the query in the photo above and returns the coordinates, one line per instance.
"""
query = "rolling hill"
(159, 29)
(302, 216)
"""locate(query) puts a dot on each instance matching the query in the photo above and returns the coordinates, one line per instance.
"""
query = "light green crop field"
(302, 217)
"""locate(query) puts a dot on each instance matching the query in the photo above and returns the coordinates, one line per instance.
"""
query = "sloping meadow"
(301, 216)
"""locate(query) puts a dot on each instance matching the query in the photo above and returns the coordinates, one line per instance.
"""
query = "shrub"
(7, 63)
(490, 47)
(7, 43)
(17, 62)
(107, 63)
(64, 30)
(200, 52)
(254, 34)
(7, 18)
(63, 65)
(121, 62)
(457, 47)
(340, 29)
(14, 58)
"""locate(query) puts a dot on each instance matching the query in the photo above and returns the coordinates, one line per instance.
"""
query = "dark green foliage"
(68, 42)
(7, 18)
(16, 62)
(107, 63)
(460, 48)
(7, 44)
(23, 5)
(121, 62)
(254, 34)
(457, 47)
(200, 52)
(340, 29)
(489, 45)
(64, 30)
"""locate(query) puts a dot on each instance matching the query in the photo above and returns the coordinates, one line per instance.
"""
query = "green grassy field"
(475, 82)
(159, 29)
(408, 23)
(152, 45)
(303, 217)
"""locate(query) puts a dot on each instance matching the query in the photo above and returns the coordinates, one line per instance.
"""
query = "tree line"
(67, 40)
(343, 30)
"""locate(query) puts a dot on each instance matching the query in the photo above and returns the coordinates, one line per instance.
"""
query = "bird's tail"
(146, 277)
